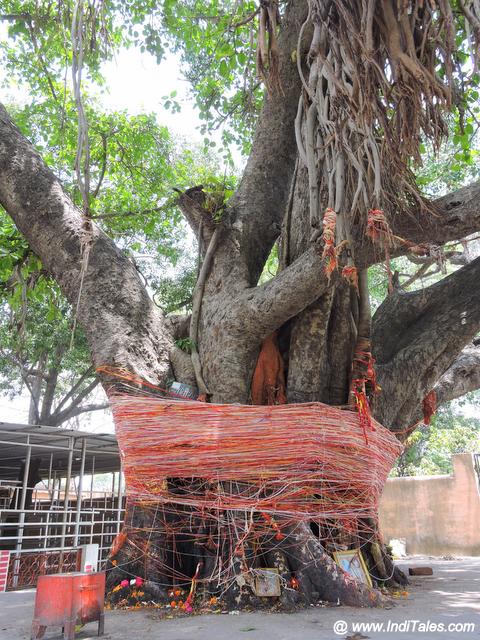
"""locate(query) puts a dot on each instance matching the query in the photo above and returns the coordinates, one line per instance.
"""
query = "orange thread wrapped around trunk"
(299, 461)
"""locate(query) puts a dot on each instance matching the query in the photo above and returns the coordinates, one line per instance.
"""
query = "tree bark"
(122, 325)
(462, 377)
(417, 337)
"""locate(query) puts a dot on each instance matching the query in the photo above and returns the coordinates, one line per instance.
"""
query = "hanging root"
(196, 308)
(381, 81)
(268, 53)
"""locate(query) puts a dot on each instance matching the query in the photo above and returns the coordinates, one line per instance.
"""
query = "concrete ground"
(450, 597)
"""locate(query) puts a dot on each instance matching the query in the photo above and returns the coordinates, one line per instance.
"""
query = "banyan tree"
(353, 92)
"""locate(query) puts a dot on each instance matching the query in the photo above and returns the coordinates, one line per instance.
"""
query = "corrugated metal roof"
(51, 445)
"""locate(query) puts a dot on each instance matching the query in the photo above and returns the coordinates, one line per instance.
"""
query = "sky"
(137, 83)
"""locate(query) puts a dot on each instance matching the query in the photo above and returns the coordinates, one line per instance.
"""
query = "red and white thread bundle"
(300, 461)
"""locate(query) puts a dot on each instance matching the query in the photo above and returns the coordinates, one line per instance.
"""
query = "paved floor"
(450, 597)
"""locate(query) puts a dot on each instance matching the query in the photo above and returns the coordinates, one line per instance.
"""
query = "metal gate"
(25, 567)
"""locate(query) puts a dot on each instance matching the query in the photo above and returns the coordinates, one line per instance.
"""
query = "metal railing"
(94, 518)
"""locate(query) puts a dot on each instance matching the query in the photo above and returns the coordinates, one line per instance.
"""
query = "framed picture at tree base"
(352, 562)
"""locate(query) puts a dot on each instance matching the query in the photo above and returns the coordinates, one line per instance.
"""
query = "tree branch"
(270, 305)
(455, 216)
(192, 204)
(182, 366)
(461, 377)
(72, 412)
(86, 374)
(13, 17)
(115, 311)
(51, 386)
(257, 208)
(416, 338)
(179, 325)
(260, 310)
(123, 214)
(103, 167)
(34, 390)
(77, 400)
(420, 273)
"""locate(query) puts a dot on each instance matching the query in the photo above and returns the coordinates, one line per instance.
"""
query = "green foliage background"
(429, 449)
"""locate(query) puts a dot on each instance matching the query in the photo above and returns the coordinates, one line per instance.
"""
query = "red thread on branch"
(299, 460)
(246, 474)
(350, 274)
(378, 230)
(429, 406)
(362, 406)
(364, 363)
(329, 252)
(363, 367)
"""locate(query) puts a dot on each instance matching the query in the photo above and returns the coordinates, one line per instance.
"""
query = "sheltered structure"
(54, 499)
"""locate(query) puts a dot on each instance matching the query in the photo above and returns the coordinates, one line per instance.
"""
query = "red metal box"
(68, 599)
